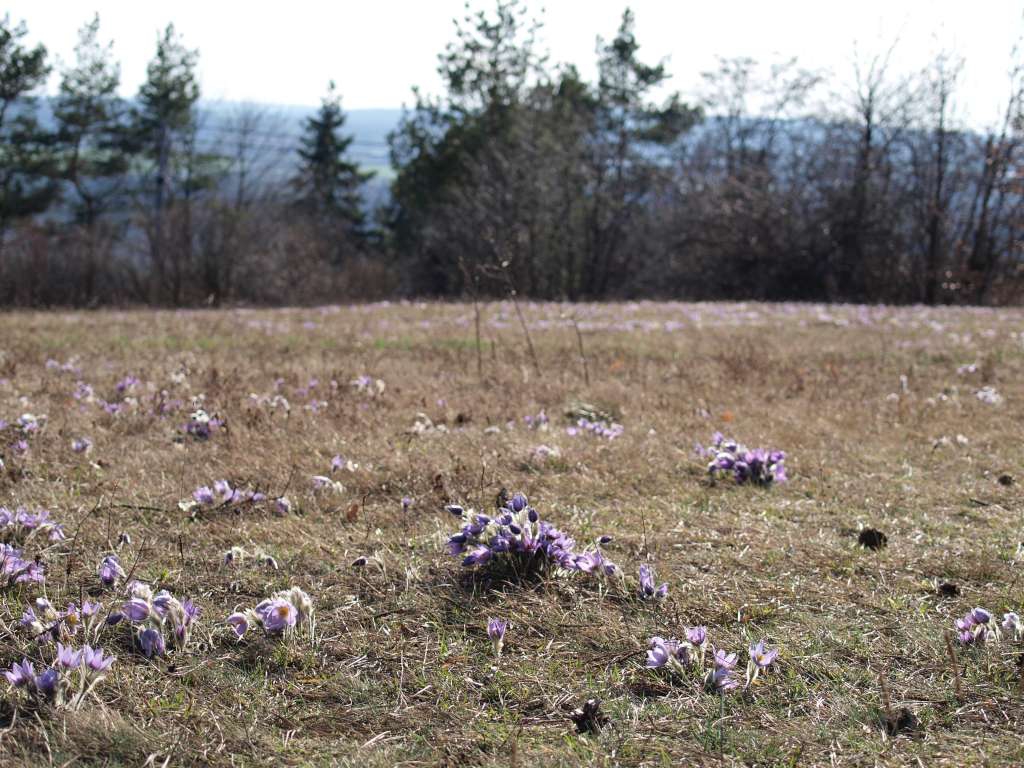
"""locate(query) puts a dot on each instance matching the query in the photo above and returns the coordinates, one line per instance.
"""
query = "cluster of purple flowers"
(517, 535)
(607, 430)
(281, 614)
(14, 569)
(540, 421)
(56, 684)
(21, 525)
(758, 466)
(46, 622)
(368, 386)
(978, 626)
(224, 495)
(155, 618)
(30, 424)
(683, 657)
(201, 425)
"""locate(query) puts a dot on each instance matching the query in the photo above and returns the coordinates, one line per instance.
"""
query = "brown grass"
(401, 672)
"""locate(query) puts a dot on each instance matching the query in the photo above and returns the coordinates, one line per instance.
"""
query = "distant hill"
(276, 134)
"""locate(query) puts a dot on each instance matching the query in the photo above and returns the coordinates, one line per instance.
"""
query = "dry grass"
(401, 672)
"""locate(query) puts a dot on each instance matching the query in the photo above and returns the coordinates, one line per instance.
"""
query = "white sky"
(377, 49)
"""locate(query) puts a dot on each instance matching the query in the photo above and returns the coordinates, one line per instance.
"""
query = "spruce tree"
(91, 126)
(163, 126)
(328, 184)
(26, 158)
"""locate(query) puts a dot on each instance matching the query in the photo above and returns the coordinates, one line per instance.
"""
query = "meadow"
(230, 456)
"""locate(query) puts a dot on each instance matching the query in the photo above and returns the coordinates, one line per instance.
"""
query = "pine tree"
(26, 158)
(328, 184)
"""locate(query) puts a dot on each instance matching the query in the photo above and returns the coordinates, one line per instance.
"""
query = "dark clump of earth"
(948, 589)
(1005, 479)
(589, 718)
(872, 539)
(903, 721)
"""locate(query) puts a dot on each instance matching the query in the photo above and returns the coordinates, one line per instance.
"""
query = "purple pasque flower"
(68, 657)
(282, 505)
(975, 627)
(151, 640)
(110, 571)
(183, 615)
(203, 495)
(724, 660)
(48, 683)
(593, 561)
(126, 384)
(21, 675)
(720, 680)
(239, 622)
(223, 489)
(516, 534)
(698, 636)
(761, 655)
(1011, 623)
(758, 466)
(479, 556)
(95, 661)
(662, 652)
(407, 503)
(137, 609)
(647, 588)
(81, 445)
(277, 615)
(496, 632)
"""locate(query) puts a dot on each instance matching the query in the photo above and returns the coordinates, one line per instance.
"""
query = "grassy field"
(877, 410)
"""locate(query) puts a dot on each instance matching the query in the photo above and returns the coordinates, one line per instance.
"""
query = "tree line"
(520, 177)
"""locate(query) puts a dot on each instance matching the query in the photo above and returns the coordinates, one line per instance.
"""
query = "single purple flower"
(136, 610)
(21, 675)
(239, 623)
(1011, 623)
(496, 632)
(223, 489)
(724, 660)
(152, 642)
(762, 656)
(203, 495)
(647, 588)
(110, 571)
(720, 680)
(697, 636)
(68, 657)
(479, 556)
(276, 615)
(48, 683)
(94, 659)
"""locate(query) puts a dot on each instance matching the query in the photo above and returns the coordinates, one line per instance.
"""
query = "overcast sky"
(376, 49)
